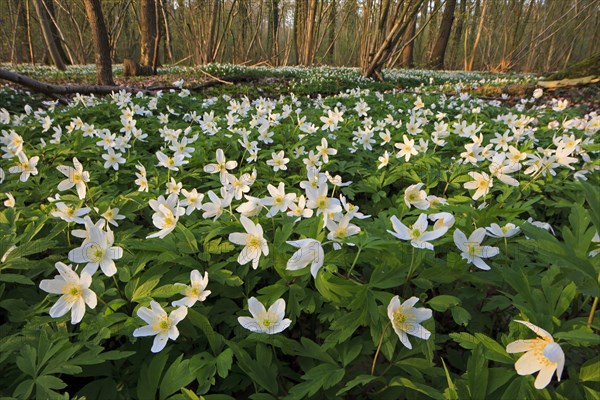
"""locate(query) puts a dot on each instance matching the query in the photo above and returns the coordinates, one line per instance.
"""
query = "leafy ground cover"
(371, 244)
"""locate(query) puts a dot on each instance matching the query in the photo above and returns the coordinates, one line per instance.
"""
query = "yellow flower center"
(253, 241)
(473, 249)
(341, 232)
(322, 202)
(72, 292)
(162, 324)
(401, 318)
(193, 291)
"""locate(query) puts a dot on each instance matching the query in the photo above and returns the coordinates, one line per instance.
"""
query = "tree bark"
(439, 49)
(408, 59)
(147, 31)
(93, 10)
(378, 52)
(47, 34)
(48, 10)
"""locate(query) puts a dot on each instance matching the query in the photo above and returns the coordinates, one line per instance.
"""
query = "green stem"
(590, 319)
(354, 262)
(106, 304)
(379, 347)
(411, 270)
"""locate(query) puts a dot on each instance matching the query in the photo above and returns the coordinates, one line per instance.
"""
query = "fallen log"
(57, 90)
(50, 90)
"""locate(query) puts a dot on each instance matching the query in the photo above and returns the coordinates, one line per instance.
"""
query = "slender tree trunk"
(19, 52)
(331, 33)
(273, 32)
(47, 33)
(168, 49)
(439, 49)
(408, 52)
(93, 10)
(50, 14)
(147, 31)
(478, 35)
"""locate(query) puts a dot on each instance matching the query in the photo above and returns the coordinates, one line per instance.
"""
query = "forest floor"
(254, 82)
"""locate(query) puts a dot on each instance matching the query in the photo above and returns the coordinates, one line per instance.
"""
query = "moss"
(587, 67)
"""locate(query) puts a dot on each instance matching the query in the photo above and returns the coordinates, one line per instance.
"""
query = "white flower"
(537, 93)
(70, 213)
(482, 183)
(265, 321)
(112, 159)
(279, 200)
(505, 231)
(278, 161)
(173, 186)
(141, 180)
(542, 354)
(339, 231)
(112, 215)
(471, 248)
(172, 163)
(299, 209)
(250, 208)
(75, 177)
(216, 206)
(221, 166)
(417, 233)
(442, 219)
(407, 320)
(25, 166)
(407, 148)
(10, 201)
(160, 324)
(384, 160)
(196, 291)
(98, 252)
(166, 214)
(75, 290)
(310, 252)
(193, 200)
(414, 196)
(253, 241)
(324, 151)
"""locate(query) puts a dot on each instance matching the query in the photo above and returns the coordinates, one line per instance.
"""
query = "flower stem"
(354, 262)
(411, 269)
(592, 312)
(107, 305)
(379, 347)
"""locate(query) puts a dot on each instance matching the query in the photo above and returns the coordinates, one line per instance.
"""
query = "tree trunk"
(331, 33)
(376, 54)
(439, 49)
(273, 30)
(408, 52)
(19, 52)
(478, 35)
(56, 37)
(147, 31)
(47, 33)
(93, 10)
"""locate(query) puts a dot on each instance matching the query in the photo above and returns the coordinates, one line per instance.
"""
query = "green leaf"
(419, 387)
(142, 292)
(580, 337)
(16, 278)
(316, 379)
(460, 315)
(477, 373)
(224, 362)
(177, 376)
(443, 302)
(359, 380)
(150, 376)
(590, 371)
